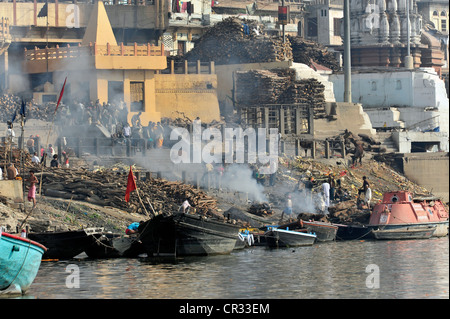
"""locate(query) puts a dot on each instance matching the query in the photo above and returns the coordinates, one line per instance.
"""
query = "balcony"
(94, 56)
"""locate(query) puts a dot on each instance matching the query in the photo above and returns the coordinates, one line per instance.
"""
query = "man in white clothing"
(35, 159)
(326, 195)
(368, 197)
(184, 208)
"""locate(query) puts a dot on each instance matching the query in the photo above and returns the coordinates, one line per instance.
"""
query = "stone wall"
(429, 170)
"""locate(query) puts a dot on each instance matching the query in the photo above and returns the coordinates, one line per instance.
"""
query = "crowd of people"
(112, 115)
(154, 133)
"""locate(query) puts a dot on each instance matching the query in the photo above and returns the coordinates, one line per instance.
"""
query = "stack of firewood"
(257, 87)
(234, 41)
(308, 92)
(260, 209)
(12, 154)
(107, 188)
(305, 51)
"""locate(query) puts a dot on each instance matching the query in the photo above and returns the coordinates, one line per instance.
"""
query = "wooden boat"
(65, 244)
(324, 231)
(20, 259)
(259, 238)
(400, 216)
(187, 235)
(353, 232)
(109, 245)
(276, 237)
(415, 232)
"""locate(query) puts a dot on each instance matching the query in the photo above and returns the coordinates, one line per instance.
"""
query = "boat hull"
(353, 232)
(20, 260)
(399, 215)
(65, 244)
(187, 235)
(405, 232)
(324, 231)
(114, 246)
(288, 238)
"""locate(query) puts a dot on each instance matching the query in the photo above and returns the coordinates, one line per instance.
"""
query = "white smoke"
(239, 178)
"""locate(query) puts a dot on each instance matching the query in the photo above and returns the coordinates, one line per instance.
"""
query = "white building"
(413, 101)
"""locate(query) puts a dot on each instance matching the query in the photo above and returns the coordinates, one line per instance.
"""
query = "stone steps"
(385, 138)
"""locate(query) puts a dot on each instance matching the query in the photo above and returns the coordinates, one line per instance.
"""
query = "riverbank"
(114, 214)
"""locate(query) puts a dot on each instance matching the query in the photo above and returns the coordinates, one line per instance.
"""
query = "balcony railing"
(93, 50)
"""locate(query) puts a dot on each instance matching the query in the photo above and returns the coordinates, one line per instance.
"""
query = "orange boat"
(400, 216)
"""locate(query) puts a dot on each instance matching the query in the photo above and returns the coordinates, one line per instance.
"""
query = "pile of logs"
(107, 188)
(13, 155)
(347, 213)
(256, 87)
(259, 87)
(260, 209)
(306, 91)
(305, 51)
(234, 41)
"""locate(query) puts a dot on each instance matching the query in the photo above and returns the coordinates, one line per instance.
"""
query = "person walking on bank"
(309, 184)
(32, 191)
(65, 159)
(326, 195)
(368, 197)
(359, 153)
(364, 187)
(365, 191)
(332, 183)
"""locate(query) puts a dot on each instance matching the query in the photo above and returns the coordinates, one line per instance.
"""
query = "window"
(312, 27)
(136, 96)
(443, 14)
(181, 48)
(337, 26)
(435, 13)
(323, 13)
(444, 25)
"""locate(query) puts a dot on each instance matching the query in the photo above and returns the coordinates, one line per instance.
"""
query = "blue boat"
(20, 259)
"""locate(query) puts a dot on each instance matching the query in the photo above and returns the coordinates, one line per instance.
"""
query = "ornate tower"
(379, 32)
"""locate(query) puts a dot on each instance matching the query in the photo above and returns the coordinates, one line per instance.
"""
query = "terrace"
(107, 56)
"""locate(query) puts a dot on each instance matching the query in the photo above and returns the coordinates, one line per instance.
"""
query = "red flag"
(131, 185)
(61, 94)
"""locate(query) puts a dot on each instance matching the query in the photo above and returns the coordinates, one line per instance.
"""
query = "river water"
(336, 270)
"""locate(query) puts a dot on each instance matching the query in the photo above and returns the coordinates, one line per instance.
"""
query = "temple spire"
(99, 28)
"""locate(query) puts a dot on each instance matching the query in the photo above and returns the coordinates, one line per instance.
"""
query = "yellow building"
(99, 68)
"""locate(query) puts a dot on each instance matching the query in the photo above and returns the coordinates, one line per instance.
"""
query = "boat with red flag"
(401, 216)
